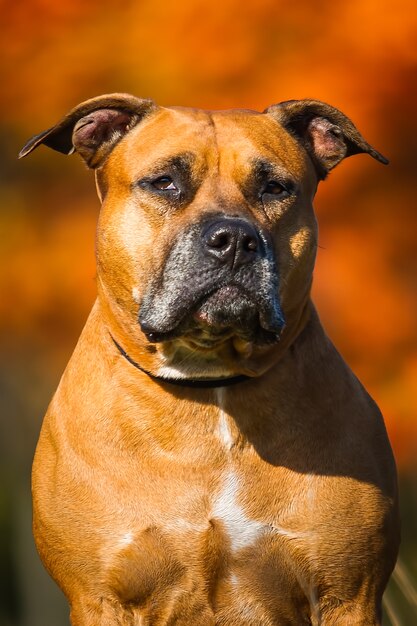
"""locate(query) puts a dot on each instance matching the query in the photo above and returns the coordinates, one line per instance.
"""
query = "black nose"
(232, 241)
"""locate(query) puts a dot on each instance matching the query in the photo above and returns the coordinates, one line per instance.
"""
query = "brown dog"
(208, 458)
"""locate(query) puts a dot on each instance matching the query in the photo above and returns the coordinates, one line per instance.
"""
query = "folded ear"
(326, 133)
(94, 127)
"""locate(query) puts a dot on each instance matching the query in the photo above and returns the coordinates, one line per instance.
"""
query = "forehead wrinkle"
(258, 135)
(214, 153)
(237, 150)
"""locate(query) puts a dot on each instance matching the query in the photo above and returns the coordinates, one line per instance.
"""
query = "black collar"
(193, 383)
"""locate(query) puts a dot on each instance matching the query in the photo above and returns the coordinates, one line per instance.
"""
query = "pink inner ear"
(327, 141)
(99, 126)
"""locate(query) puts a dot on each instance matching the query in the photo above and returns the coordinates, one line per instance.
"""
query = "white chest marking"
(125, 540)
(223, 429)
(241, 530)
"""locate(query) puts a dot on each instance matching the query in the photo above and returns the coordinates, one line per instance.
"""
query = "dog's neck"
(119, 329)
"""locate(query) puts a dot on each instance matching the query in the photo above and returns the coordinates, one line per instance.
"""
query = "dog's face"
(207, 237)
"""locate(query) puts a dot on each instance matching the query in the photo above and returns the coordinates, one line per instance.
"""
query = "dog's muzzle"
(220, 279)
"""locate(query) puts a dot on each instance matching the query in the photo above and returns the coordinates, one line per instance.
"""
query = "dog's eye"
(164, 183)
(274, 188)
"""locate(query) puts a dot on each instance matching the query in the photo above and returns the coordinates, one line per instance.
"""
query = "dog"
(209, 458)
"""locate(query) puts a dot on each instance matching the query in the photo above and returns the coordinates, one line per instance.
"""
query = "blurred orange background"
(360, 56)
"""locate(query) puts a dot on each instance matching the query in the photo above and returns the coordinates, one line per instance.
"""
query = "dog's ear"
(93, 127)
(326, 133)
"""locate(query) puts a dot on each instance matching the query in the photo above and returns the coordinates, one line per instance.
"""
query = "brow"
(181, 163)
(263, 169)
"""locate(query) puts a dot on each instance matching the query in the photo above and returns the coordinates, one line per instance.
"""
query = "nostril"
(250, 244)
(218, 239)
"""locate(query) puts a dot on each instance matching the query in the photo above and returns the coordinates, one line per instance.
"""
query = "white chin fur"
(192, 370)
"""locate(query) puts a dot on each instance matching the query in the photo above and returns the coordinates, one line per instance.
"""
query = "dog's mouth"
(225, 313)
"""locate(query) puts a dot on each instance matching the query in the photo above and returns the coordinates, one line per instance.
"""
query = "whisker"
(188, 357)
(402, 578)
(389, 610)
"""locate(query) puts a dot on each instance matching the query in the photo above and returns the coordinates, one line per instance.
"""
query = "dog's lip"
(269, 320)
(271, 324)
(155, 335)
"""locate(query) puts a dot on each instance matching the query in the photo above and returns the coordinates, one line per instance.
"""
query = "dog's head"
(207, 237)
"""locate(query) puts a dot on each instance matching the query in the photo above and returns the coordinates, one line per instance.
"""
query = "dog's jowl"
(209, 458)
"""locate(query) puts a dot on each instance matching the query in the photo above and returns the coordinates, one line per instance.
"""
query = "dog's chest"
(217, 536)
(211, 555)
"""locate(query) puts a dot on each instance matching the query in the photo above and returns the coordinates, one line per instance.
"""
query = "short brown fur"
(270, 502)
